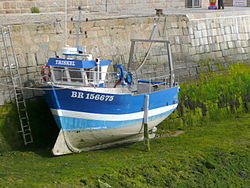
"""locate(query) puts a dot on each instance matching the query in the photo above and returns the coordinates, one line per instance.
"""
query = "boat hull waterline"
(90, 120)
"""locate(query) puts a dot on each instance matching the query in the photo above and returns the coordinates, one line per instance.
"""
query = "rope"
(31, 88)
(150, 46)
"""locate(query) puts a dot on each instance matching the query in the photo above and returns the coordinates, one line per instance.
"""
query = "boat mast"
(78, 31)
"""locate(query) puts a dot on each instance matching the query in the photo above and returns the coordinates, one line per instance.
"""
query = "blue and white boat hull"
(95, 118)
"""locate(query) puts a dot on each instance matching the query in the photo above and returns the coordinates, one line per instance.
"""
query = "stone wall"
(121, 6)
(24, 6)
(127, 6)
(194, 38)
(222, 38)
(230, 2)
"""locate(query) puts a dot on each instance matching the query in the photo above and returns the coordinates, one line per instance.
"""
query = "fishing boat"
(95, 108)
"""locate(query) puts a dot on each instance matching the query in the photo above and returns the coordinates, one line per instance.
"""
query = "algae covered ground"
(216, 155)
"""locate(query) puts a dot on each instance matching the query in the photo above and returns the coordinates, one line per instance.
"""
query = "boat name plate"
(91, 96)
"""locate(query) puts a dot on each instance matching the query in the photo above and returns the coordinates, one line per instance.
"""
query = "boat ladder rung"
(26, 126)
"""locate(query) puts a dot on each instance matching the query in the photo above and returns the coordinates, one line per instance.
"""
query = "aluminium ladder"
(11, 67)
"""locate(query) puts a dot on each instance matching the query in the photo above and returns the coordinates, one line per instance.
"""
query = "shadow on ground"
(43, 127)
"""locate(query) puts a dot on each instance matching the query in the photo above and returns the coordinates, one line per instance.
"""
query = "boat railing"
(146, 82)
(79, 77)
(152, 84)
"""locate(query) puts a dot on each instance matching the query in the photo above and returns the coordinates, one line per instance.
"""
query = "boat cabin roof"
(76, 63)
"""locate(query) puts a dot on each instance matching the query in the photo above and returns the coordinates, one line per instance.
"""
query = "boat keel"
(63, 145)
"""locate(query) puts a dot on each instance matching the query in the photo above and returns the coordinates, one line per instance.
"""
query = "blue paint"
(121, 103)
(61, 99)
(75, 63)
(69, 123)
(149, 81)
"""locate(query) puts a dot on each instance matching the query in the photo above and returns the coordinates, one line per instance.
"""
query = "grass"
(213, 156)
(35, 10)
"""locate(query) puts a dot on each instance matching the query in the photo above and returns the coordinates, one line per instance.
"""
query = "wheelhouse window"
(59, 74)
(75, 75)
(79, 76)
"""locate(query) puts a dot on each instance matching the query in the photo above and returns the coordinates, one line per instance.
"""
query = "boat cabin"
(78, 69)
(78, 72)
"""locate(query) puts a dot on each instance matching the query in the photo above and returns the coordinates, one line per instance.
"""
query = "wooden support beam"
(145, 123)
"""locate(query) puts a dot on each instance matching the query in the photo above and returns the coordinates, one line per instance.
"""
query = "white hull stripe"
(111, 117)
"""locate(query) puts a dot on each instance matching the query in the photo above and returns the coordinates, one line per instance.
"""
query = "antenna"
(65, 21)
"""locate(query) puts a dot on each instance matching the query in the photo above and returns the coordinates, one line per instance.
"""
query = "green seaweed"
(213, 97)
(9, 138)
(43, 127)
(217, 155)
(214, 151)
